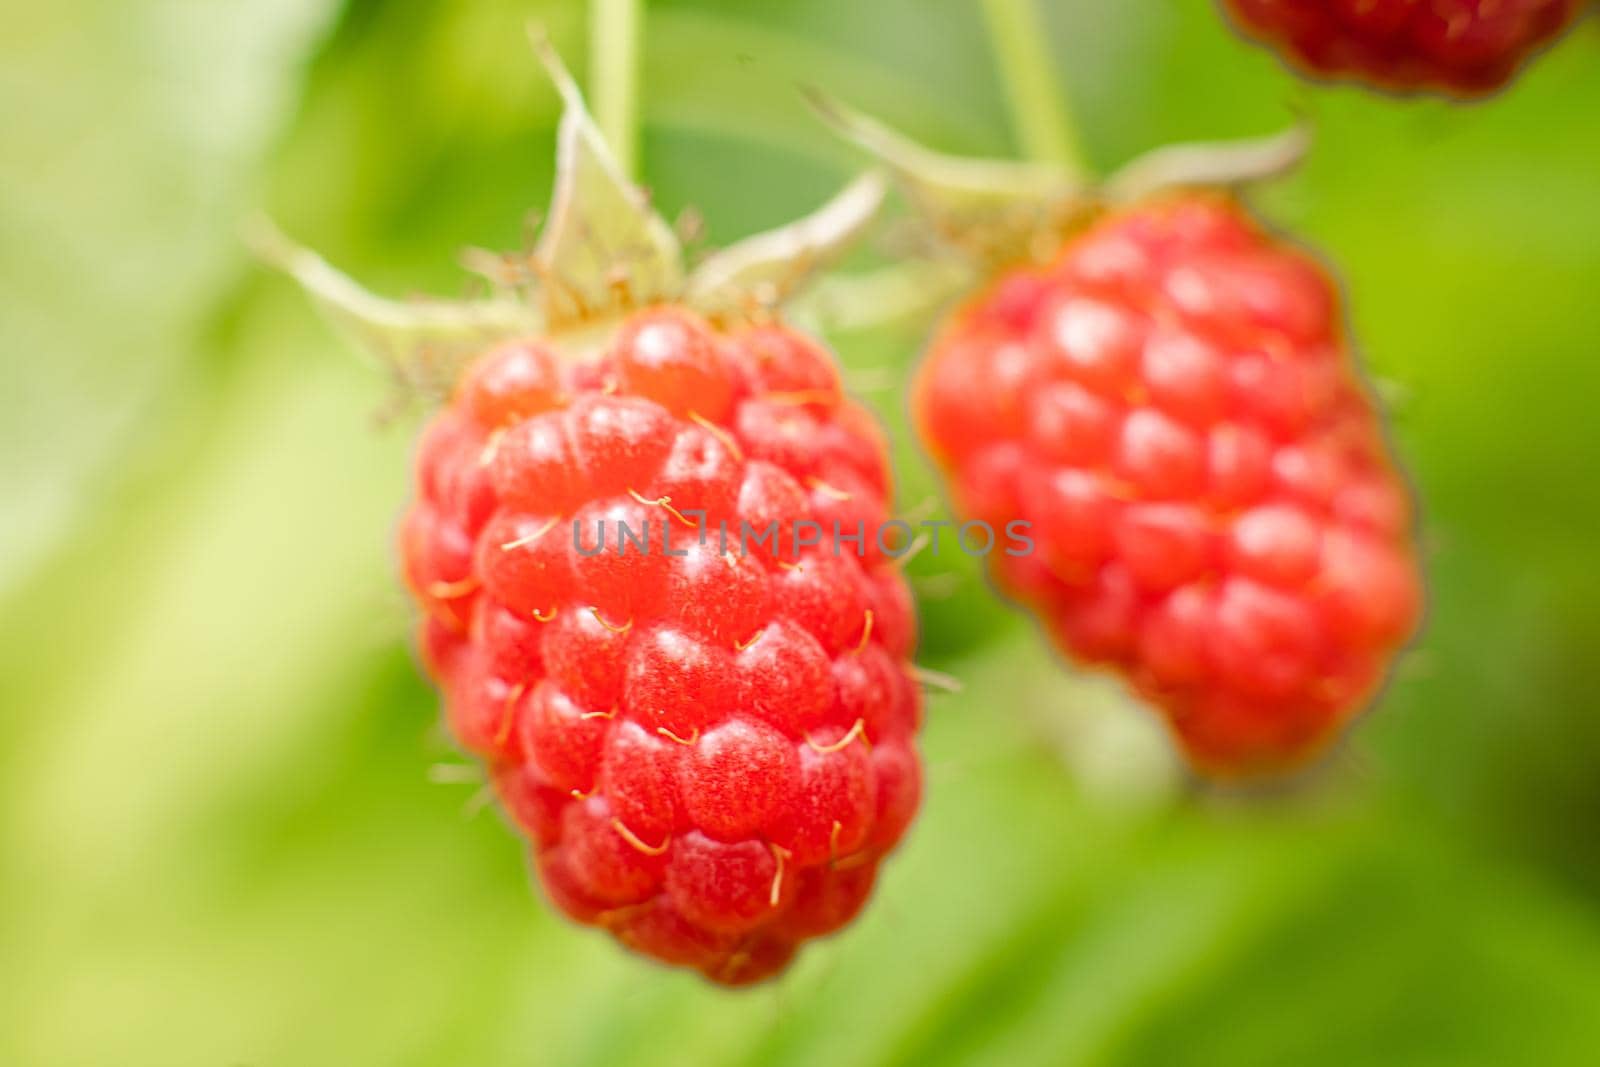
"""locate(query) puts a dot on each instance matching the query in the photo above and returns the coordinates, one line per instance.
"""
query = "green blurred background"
(232, 832)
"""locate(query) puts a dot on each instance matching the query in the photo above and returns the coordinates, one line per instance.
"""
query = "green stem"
(1037, 102)
(616, 32)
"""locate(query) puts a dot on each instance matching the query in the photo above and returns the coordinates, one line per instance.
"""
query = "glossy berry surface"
(1456, 47)
(1214, 512)
(710, 748)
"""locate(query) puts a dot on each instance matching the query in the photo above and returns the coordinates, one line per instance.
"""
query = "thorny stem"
(1040, 118)
(616, 32)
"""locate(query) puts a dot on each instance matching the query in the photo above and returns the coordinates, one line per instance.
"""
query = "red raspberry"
(710, 750)
(1458, 47)
(1172, 407)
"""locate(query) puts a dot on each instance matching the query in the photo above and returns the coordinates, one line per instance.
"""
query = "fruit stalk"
(616, 39)
(1040, 118)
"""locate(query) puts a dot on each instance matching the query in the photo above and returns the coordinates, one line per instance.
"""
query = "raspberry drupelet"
(1463, 48)
(710, 749)
(1172, 405)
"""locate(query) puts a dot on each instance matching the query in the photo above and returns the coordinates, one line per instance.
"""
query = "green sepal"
(1209, 164)
(991, 211)
(424, 342)
(603, 249)
(758, 274)
(603, 252)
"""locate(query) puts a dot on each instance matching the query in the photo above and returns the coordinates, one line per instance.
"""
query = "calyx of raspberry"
(994, 213)
(603, 252)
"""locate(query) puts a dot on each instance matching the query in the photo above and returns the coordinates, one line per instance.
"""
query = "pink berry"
(1213, 506)
(710, 751)
(1462, 48)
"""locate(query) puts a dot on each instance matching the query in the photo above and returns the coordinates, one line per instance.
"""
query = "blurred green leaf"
(221, 841)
